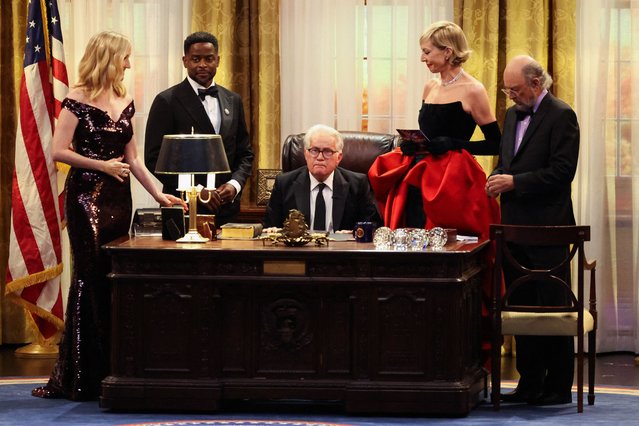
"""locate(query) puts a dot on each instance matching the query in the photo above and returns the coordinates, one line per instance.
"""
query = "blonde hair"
(101, 67)
(445, 34)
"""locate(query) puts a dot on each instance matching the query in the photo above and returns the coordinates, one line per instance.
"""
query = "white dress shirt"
(328, 200)
(212, 108)
(211, 105)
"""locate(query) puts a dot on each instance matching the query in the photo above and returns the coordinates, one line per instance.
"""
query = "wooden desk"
(380, 331)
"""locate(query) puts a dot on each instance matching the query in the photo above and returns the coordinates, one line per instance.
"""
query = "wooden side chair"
(572, 319)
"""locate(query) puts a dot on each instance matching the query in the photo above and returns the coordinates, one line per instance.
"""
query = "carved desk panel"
(381, 331)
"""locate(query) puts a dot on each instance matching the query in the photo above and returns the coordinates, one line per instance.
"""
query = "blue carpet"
(613, 405)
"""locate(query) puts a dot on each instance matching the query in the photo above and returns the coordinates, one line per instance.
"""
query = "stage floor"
(615, 369)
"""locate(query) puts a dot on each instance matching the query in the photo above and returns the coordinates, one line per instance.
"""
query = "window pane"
(625, 90)
(380, 125)
(625, 148)
(398, 107)
(379, 28)
(400, 34)
(613, 65)
(625, 38)
(611, 147)
(379, 87)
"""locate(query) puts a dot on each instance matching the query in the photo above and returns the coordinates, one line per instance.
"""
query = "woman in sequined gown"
(94, 135)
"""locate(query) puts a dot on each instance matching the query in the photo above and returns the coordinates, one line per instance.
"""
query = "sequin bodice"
(97, 135)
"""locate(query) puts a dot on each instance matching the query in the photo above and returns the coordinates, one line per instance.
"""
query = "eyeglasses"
(511, 92)
(326, 152)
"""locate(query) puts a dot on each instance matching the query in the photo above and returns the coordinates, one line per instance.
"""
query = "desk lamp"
(191, 154)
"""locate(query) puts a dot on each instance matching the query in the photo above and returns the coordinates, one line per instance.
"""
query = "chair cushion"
(544, 324)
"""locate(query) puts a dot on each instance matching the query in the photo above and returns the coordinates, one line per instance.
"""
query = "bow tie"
(523, 113)
(211, 91)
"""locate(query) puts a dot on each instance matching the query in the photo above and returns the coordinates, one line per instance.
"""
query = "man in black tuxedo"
(198, 105)
(537, 163)
(331, 198)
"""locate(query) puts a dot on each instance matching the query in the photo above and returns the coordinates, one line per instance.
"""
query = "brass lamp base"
(36, 350)
(192, 237)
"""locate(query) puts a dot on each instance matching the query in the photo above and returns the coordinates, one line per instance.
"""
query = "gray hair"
(323, 130)
(534, 70)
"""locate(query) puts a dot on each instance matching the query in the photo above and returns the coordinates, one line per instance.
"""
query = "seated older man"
(330, 197)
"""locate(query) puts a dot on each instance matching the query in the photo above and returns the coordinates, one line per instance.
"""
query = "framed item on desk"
(265, 181)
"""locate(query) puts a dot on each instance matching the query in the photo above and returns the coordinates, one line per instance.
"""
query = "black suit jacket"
(353, 199)
(179, 110)
(543, 168)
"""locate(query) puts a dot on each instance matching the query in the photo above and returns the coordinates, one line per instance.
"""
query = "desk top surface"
(128, 243)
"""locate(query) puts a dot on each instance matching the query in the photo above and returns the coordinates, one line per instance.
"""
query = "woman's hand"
(168, 200)
(116, 168)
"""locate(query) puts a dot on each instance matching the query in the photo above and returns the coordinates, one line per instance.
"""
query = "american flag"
(35, 252)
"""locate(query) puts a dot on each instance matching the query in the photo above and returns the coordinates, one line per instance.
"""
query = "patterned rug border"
(237, 422)
(508, 384)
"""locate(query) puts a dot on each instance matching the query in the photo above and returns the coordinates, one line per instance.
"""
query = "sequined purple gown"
(98, 210)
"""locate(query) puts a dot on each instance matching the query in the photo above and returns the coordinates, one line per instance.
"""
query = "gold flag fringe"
(11, 293)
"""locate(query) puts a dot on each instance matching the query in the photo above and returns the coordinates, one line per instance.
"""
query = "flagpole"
(35, 255)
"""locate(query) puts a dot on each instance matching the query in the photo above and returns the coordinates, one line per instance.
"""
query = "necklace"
(454, 79)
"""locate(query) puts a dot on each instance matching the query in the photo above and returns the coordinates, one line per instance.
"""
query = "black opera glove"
(443, 144)
(489, 146)
(411, 148)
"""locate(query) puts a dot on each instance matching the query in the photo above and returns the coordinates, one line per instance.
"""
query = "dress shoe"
(552, 398)
(46, 392)
(520, 396)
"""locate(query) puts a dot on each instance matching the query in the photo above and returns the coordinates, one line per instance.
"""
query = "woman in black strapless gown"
(457, 102)
(94, 135)
(452, 108)
(438, 182)
(453, 105)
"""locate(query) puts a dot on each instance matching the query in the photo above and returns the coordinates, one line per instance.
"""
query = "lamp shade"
(192, 154)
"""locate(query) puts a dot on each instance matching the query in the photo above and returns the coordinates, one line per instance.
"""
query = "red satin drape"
(452, 187)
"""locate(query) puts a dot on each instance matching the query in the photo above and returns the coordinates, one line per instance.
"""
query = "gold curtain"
(248, 33)
(13, 15)
(498, 30)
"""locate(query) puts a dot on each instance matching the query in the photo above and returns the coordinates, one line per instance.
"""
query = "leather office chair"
(360, 150)
(570, 320)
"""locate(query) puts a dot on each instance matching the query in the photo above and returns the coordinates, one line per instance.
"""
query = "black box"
(173, 224)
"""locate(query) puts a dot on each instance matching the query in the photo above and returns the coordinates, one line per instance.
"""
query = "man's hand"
(215, 202)
(227, 193)
(497, 184)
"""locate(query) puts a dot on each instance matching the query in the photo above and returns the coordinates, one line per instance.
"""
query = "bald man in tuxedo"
(537, 163)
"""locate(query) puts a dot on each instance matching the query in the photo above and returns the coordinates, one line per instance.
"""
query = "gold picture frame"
(265, 181)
